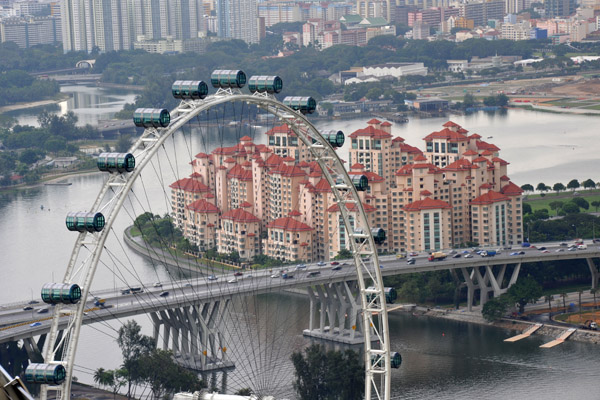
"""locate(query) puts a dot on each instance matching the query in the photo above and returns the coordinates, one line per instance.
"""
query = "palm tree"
(549, 299)
(99, 376)
(593, 292)
(564, 297)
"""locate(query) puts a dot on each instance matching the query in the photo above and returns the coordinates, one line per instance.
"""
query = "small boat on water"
(58, 184)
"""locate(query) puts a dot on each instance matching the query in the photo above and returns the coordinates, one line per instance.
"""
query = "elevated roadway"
(15, 321)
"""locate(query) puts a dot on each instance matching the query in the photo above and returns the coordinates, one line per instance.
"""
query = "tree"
(549, 299)
(573, 184)
(527, 187)
(328, 375)
(495, 308)
(541, 187)
(123, 144)
(526, 290)
(556, 205)
(133, 346)
(558, 187)
(526, 208)
(164, 376)
(570, 208)
(343, 254)
(564, 299)
(99, 376)
(589, 184)
(595, 204)
(581, 202)
(244, 392)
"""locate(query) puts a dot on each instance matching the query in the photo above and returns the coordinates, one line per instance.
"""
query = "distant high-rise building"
(27, 32)
(559, 8)
(238, 19)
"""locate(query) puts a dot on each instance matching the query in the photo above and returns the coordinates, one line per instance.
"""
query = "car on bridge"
(157, 284)
(335, 263)
(300, 266)
(238, 273)
(321, 264)
(43, 310)
(27, 308)
(410, 261)
(232, 280)
(35, 324)
(212, 278)
(313, 274)
(336, 268)
(468, 255)
(164, 294)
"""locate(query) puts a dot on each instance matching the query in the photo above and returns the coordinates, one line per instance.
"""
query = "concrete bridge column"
(594, 271)
(339, 310)
(470, 288)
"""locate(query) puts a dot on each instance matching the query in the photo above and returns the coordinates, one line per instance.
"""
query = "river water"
(441, 359)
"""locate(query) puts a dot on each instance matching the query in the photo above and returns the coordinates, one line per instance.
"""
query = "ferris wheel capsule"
(306, 105)
(360, 182)
(265, 84)
(335, 138)
(116, 162)
(64, 293)
(228, 79)
(85, 221)
(45, 373)
(192, 90)
(151, 118)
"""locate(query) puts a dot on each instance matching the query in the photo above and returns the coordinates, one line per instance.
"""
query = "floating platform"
(565, 335)
(58, 184)
(525, 334)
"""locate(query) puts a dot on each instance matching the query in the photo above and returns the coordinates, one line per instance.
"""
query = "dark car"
(456, 256)
(336, 268)
(164, 294)
(238, 273)
(411, 261)
(27, 308)
(541, 248)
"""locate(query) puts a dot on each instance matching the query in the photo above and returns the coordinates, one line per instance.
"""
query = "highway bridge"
(485, 274)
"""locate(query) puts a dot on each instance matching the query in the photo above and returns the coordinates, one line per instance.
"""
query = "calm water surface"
(441, 359)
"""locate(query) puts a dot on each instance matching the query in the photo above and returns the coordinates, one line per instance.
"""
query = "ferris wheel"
(253, 322)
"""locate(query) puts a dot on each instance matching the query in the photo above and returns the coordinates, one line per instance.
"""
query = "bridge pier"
(486, 283)
(595, 273)
(192, 333)
(34, 349)
(337, 306)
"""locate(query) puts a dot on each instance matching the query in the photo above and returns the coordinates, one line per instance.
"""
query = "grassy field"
(538, 202)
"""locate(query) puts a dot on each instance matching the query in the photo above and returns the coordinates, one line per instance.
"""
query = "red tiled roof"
(322, 186)
(461, 164)
(371, 176)
(289, 224)
(303, 164)
(209, 196)
(489, 198)
(240, 215)
(504, 178)
(374, 121)
(273, 160)
(190, 185)
(447, 134)
(398, 139)
(246, 139)
(499, 160)
(201, 155)
(409, 149)
(280, 129)
(288, 170)
(511, 190)
(245, 204)
(425, 192)
(203, 206)
(238, 172)
(470, 153)
(372, 132)
(450, 124)
(420, 157)
(475, 136)
(481, 145)
(426, 204)
(294, 213)
(386, 123)
(486, 186)
(352, 207)
(357, 166)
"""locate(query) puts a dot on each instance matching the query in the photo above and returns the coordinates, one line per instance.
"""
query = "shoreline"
(33, 104)
(551, 330)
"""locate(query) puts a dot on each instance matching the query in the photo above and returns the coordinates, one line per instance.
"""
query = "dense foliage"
(19, 86)
(526, 290)
(328, 375)
(160, 232)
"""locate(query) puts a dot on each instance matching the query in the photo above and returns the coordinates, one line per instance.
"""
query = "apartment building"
(273, 199)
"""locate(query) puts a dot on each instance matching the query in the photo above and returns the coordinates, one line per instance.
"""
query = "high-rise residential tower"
(238, 19)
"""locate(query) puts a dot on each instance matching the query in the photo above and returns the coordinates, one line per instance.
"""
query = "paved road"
(15, 321)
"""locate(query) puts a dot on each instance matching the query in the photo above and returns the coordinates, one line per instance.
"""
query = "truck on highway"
(287, 275)
(488, 253)
(437, 256)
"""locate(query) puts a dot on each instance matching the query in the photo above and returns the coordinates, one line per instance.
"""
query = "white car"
(232, 280)
(157, 284)
(468, 255)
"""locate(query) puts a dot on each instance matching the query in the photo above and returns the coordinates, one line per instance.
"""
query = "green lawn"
(538, 202)
(595, 107)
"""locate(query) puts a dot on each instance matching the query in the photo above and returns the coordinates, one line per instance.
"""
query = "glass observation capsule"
(360, 182)
(395, 360)
(45, 374)
(151, 117)
(378, 235)
(390, 294)
(64, 293)
(84, 221)
(189, 90)
(228, 79)
(265, 84)
(306, 105)
(335, 138)
(116, 162)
